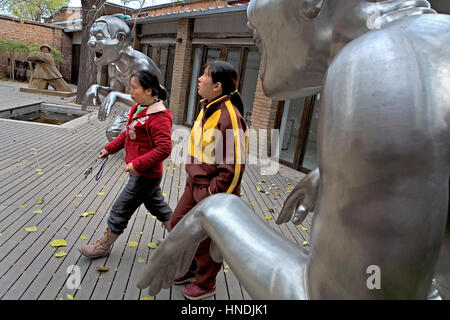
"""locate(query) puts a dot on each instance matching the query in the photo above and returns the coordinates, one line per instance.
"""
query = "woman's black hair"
(150, 81)
(225, 73)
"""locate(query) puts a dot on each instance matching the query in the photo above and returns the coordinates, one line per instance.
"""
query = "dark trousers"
(205, 268)
(139, 190)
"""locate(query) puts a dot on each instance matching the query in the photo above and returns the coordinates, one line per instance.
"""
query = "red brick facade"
(31, 32)
(181, 71)
(181, 6)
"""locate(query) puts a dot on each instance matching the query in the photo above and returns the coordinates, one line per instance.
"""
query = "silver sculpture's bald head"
(298, 38)
(109, 36)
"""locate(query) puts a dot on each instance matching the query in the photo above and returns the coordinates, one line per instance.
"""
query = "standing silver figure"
(111, 40)
(381, 191)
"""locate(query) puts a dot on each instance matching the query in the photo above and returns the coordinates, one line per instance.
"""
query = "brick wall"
(264, 112)
(181, 70)
(31, 32)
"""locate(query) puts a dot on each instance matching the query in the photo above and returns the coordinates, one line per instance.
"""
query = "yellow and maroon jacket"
(218, 146)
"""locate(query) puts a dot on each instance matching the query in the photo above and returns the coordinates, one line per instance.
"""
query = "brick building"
(182, 37)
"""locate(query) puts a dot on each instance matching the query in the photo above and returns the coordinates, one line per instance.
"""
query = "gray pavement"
(11, 96)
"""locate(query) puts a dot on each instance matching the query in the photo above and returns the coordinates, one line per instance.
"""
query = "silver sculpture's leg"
(442, 276)
(116, 126)
(264, 271)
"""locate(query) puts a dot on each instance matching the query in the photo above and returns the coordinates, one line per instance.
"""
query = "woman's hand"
(129, 168)
(103, 154)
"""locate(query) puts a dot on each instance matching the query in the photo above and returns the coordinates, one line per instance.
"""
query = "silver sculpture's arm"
(110, 100)
(111, 97)
(302, 200)
(245, 241)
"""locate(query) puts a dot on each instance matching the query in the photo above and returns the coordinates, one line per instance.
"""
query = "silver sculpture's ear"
(121, 36)
(310, 8)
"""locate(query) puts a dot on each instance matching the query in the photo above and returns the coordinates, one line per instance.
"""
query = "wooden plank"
(48, 286)
(41, 253)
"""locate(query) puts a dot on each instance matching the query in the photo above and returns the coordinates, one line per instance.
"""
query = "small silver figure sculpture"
(111, 40)
(380, 195)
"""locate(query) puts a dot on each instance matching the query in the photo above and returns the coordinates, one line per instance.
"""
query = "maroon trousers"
(205, 268)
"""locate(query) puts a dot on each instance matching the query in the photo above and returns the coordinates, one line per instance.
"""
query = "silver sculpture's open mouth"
(98, 54)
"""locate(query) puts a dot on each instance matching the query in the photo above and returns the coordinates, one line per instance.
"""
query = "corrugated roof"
(191, 13)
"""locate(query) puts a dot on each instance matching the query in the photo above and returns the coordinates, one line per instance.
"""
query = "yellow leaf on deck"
(39, 200)
(252, 204)
(31, 229)
(164, 194)
(67, 165)
(305, 243)
(78, 196)
(60, 253)
(100, 193)
(22, 206)
(58, 243)
(83, 237)
(268, 217)
(132, 244)
(141, 260)
(101, 269)
(145, 298)
(70, 297)
(152, 245)
(88, 213)
(302, 227)
(148, 213)
(37, 211)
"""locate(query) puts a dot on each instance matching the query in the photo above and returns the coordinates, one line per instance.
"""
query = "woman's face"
(207, 88)
(138, 93)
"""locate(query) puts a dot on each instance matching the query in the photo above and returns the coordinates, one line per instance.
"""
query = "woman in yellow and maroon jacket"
(217, 150)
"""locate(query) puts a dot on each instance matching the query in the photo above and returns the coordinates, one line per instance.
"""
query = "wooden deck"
(47, 161)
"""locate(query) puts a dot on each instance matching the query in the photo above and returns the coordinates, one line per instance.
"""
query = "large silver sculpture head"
(109, 37)
(298, 39)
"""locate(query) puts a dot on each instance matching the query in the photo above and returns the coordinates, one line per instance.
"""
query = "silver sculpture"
(110, 38)
(380, 195)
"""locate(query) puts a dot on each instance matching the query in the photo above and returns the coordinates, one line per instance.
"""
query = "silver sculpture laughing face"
(298, 39)
(108, 37)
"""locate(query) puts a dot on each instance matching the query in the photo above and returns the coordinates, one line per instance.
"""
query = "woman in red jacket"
(147, 142)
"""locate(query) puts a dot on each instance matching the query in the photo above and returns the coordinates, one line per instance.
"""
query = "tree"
(87, 76)
(32, 9)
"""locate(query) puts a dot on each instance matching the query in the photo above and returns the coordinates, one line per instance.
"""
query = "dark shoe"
(188, 277)
(194, 292)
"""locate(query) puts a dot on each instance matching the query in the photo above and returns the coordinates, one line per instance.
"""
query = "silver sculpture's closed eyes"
(380, 194)
(110, 38)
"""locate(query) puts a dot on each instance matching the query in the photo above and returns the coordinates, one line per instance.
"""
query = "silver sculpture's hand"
(91, 93)
(302, 199)
(107, 104)
(174, 255)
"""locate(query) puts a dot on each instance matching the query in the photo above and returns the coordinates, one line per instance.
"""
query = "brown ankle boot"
(100, 248)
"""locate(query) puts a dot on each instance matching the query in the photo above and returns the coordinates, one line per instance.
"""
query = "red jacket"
(147, 140)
